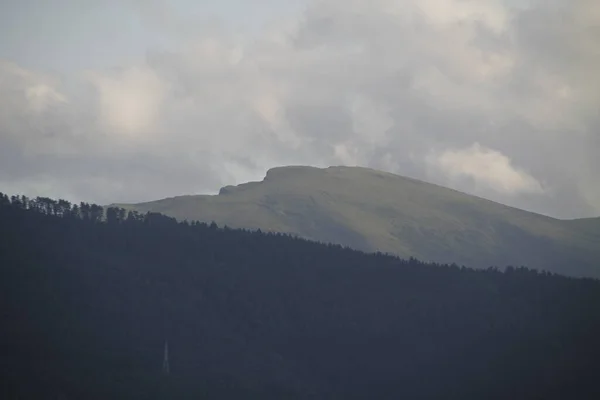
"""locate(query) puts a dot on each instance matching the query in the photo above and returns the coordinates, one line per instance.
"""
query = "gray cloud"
(494, 100)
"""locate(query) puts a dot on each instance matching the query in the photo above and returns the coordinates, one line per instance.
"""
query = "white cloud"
(348, 154)
(42, 96)
(492, 13)
(129, 101)
(486, 167)
(32, 105)
(381, 83)
(370, 121)
(29, 90)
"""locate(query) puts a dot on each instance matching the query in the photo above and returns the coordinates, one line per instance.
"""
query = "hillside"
(589, 225)
(377, 211)
(87, 305)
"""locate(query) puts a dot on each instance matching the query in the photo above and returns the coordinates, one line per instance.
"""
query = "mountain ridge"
(274, 170)
(373, 210)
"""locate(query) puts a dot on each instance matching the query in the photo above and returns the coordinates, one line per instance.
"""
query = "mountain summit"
(378, 211)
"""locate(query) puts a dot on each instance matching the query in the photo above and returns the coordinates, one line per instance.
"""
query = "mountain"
(377, 211)
(589, 225)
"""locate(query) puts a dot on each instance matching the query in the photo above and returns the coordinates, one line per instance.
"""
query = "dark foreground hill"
(87, 306)
(376, 211)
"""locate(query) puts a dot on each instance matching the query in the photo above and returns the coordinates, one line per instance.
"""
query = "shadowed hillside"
(588, 225)
(377, 211)
(87, 305)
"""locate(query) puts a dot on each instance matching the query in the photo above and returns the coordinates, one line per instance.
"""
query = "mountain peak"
(379, 211)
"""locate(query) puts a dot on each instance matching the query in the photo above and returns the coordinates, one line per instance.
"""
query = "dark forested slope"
(87, 306)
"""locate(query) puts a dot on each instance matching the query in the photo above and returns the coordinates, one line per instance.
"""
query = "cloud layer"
(487, 169)
(487, 98)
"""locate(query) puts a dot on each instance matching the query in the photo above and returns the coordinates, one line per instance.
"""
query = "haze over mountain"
(377, 211)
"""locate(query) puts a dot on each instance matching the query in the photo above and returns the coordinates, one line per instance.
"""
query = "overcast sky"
(134, 100)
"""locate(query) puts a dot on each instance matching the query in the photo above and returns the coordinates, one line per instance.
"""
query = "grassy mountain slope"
(589, 225)
(377, 211)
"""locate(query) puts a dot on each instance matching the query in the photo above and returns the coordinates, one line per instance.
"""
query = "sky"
(136, 100)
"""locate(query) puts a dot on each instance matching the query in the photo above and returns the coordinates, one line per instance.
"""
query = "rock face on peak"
(378, 211)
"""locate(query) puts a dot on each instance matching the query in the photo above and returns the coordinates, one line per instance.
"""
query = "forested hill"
(87, 305)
